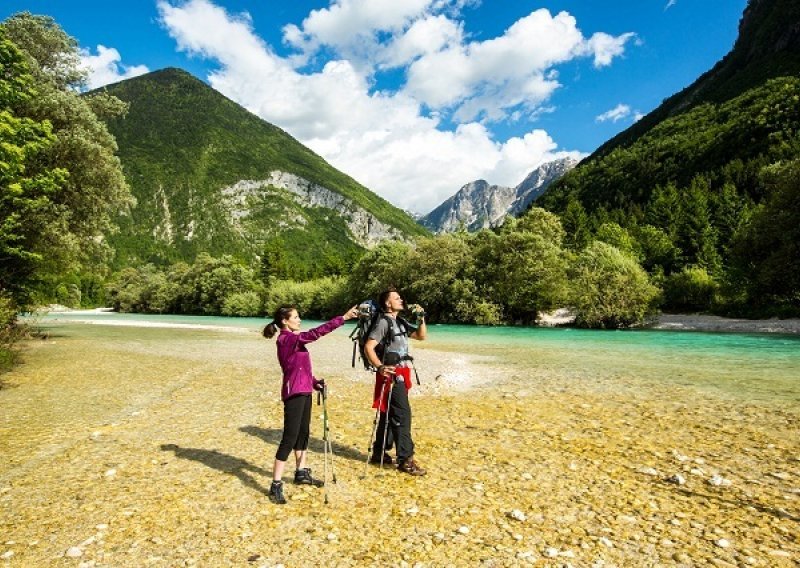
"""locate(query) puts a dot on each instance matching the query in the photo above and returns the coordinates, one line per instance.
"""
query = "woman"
(298, 385)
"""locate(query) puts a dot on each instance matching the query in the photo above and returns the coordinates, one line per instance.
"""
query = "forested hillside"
(691, 185)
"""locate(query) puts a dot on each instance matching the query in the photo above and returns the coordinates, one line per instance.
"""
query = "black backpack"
(368, 317)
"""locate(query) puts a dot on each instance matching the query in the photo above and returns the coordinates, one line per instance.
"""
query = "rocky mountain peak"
(479, 204)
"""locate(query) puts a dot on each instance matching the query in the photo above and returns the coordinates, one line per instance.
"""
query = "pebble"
(648, 471)
(783, 476)
(722, 543)
(518, 515)
(7, 554)
(332, 536)
(463, 529)
(551, 552)
(412, 510)
(111, 472)
(677, 479)
(74, 552)
(719, 481)
(606, 542)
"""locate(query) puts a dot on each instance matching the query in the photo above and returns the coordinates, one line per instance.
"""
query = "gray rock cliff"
(479, 205)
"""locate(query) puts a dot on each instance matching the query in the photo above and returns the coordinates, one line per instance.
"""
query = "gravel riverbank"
(153, 447)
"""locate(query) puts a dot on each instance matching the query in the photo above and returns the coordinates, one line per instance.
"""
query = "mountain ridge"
(184, 145)
(480, 205)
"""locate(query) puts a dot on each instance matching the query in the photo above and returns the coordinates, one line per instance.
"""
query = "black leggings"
(296, 422)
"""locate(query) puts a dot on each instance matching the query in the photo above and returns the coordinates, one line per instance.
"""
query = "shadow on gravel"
(741, 502)
(273, 436)
(232, 465)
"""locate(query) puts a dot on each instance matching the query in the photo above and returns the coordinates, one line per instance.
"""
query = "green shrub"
(609, 289)
(242, 304)
(315, 299)
(9, 332)
(692, 289)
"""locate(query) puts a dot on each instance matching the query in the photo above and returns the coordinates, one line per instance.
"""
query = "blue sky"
(416, 98)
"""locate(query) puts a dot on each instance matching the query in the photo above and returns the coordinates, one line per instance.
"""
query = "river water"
(748, 367)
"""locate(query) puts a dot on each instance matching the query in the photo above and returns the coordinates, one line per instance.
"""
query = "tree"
(619, 237)
(385, 265)
(440, 265)
(524, 267)
(87, 186)
(29, 221)
(576, 225)
(766, 251)
(608, 289)
(696, 236)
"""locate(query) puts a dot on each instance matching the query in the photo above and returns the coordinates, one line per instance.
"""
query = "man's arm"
(375, 361)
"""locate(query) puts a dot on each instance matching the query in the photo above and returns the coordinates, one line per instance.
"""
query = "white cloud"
(605, 47)
(670, 4)
(106, 67)
(395, 142)
(423, 37)
(615, 114)
(350, 25)
(486, 79)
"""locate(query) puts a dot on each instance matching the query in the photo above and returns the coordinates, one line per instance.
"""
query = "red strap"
(383, 383)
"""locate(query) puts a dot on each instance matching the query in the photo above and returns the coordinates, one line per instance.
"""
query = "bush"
(9, 332)
(692, 289)
(316, 299)
(242, 304)
(609, 289)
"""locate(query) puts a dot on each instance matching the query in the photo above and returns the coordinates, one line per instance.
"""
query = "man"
(393, 380)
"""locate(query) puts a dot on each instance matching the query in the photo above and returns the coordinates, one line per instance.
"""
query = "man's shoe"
(276, 493)
(376, 459)
(411, 467)
(303, 477)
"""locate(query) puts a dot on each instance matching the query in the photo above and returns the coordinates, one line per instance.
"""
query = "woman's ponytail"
(270, 330)
(282, 313)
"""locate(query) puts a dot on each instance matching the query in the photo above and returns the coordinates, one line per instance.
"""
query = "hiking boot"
(303, 477)
(411, 467)
(376, 459)
(276, 493)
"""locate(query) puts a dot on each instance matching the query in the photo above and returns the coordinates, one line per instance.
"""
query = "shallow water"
(764, 367)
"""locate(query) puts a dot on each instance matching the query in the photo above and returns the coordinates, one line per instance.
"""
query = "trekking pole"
(414, 366)
(327, 438)
(374, 428)
(320, 397)
(386, 422)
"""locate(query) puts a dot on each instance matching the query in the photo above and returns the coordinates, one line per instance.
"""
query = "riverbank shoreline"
(558, 318)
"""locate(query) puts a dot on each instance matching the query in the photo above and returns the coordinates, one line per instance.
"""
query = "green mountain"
(723, 129)
(209, 176)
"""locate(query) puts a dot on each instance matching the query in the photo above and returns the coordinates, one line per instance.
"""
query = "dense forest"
(703, 184)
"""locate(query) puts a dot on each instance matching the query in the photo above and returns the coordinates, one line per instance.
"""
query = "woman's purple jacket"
(295, 359)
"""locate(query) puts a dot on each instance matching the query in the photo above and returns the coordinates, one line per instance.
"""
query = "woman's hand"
(351, 313)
